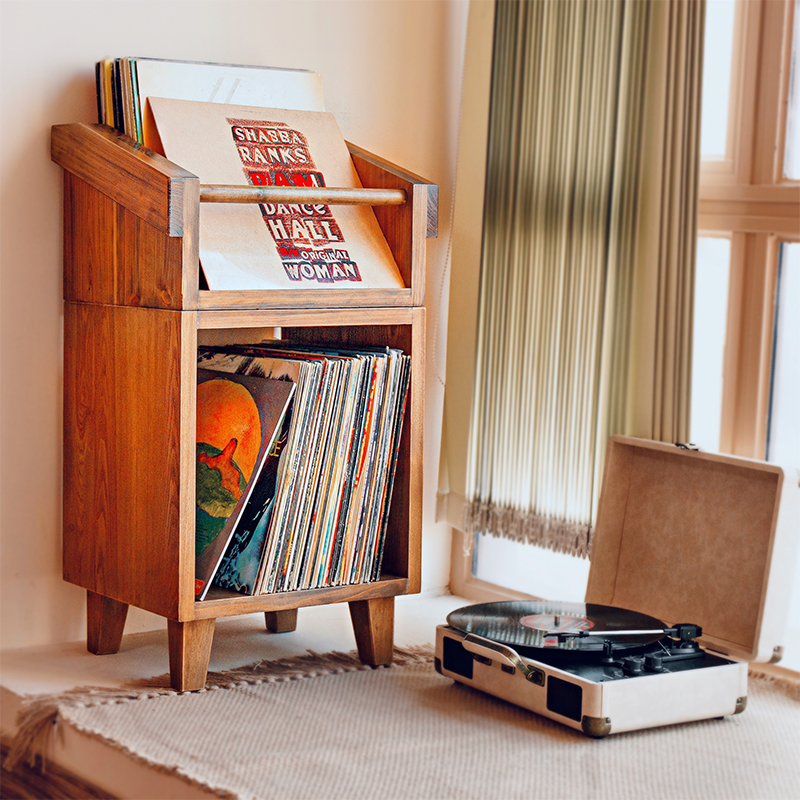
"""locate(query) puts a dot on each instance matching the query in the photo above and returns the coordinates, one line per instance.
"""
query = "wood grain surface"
(122, 453)
(373, 625)
(132, 315)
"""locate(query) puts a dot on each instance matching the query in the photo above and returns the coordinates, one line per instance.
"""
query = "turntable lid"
(687, 536)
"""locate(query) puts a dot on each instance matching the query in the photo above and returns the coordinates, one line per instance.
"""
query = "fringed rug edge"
(788, 685)
(39, 716)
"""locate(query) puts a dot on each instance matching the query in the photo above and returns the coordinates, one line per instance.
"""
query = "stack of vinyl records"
(125, 84)
(312, 511)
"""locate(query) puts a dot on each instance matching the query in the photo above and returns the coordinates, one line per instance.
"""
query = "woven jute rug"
(327, 727)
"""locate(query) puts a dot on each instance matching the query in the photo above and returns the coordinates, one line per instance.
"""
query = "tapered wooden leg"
(281, 621)
(373, 625)
(189, 652)
(105, 622)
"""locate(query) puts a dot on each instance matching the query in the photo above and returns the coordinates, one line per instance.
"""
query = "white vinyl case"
(682, 536)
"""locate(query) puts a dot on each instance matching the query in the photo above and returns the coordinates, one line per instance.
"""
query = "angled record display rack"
(134, 316)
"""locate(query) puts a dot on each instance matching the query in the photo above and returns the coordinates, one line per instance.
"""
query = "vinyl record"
(530, 626)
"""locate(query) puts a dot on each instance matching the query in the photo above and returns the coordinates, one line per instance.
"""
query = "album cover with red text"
(275, 245)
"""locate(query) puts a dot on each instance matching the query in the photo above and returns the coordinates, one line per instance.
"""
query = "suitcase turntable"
(681, 535)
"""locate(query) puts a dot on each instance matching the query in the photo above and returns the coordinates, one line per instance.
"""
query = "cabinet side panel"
(188, 463)
(404, 226)
(122, 425)
(133, 176)
(403, 552)
(113, 256)
(412, 485)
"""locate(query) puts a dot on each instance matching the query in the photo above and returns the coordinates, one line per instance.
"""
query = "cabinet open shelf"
(224, 603)
(134, 317)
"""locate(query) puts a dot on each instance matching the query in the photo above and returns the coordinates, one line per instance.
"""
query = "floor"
(237, 641)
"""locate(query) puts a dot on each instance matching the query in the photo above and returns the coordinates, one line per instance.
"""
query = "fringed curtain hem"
(527, 527)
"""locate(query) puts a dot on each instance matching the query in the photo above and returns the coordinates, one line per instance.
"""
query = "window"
(749, 238)
(783, 430)
(749, 225)
(708, 345)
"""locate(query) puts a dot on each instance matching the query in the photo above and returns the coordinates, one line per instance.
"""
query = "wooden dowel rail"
(211, 193)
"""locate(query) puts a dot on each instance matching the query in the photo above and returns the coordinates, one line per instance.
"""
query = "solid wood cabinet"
(134, 315)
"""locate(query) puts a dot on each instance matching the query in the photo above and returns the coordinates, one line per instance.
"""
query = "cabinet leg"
(373, 625)
(281, 621)
(105, 622)
(189, 652)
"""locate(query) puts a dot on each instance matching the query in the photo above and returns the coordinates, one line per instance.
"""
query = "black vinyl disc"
(532, 626)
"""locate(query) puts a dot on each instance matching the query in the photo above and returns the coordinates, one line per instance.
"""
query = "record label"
(556, 623)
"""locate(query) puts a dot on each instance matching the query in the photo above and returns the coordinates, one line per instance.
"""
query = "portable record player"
(690, 577)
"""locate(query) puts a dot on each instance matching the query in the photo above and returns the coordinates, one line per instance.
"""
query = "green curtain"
(584, 322)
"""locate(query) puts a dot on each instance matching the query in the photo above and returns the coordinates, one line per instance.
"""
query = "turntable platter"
(535, 625)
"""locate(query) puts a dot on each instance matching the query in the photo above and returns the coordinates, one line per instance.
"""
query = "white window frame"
(744, 196)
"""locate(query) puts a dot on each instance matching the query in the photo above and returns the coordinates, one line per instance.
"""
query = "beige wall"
(391, 71)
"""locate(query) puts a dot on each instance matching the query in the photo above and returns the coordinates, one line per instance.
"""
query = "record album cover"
(268, 245)
(238, 419)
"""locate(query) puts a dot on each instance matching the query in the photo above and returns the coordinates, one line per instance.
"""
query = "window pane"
(791, 163)
(716, 77)
(710, 314)
(783, 433)
(532, 570)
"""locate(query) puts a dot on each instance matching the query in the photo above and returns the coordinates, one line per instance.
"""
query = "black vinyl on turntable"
(582, 633)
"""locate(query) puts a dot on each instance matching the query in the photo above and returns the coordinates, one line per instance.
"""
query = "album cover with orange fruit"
(238, 419)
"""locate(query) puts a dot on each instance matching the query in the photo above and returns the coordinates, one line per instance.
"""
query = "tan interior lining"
(685, 538)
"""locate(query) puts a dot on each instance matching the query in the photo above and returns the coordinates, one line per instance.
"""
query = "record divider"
(134, 316)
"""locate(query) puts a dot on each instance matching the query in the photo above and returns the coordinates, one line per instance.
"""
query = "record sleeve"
(238, 419)
(244, 246)
(240, 566)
